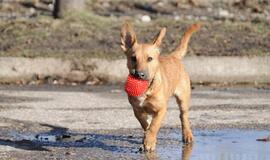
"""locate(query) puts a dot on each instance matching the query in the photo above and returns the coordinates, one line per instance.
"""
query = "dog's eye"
(149, 59)
(133, 59)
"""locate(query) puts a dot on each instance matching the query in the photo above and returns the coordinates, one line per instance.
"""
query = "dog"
(166, 76)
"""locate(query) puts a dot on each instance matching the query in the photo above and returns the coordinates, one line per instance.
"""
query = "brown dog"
(166, 76)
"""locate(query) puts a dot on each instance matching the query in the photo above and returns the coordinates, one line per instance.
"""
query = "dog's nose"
(138, 74)
(141, 75)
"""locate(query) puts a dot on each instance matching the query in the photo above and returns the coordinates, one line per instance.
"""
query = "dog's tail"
(181, 49)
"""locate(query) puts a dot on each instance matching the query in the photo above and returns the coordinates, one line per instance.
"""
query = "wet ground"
(209, 144)
(87, 122)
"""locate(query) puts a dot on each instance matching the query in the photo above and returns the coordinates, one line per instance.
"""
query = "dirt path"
(96, 106)
(86, 122)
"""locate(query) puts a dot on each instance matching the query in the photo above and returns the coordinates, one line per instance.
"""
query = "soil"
(235, 29)
(97, 122)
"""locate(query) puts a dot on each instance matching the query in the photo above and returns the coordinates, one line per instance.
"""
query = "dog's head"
(142, 58)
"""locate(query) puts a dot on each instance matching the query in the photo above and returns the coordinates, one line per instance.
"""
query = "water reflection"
(185, 155)
(186, 151)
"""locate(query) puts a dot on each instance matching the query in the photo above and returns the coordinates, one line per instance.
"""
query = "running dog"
(166, 76)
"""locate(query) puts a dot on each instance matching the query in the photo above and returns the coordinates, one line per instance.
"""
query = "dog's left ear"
(158, 39)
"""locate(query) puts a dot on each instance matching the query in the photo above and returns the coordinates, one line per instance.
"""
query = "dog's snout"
(139, 74)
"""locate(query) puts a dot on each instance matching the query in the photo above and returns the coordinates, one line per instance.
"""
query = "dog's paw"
(149, 143)
(149, 146)
(187, 137)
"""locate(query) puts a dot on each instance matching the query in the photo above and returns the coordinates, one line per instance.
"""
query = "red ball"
(135, 87)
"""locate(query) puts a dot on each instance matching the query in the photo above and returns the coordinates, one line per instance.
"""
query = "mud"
(125, 144)
(96, 122)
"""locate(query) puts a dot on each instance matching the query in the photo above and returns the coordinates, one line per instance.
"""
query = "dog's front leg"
(139, 112)
(150, 137)
(141, 116)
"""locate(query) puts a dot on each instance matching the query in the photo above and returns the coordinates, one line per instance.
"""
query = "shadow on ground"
(126, 142)
(61, 138)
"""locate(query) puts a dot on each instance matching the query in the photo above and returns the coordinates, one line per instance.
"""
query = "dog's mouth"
(145, 78)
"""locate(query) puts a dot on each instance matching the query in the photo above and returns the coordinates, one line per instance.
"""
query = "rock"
(76, 76)
(32, 10)
(161, 4)
(32, 83)
(74, 84)
(177, 18)
(224, 14)
(145, 18)
(190, 17)
(50, 6)
(203, 18)
(55, 82)
(93, 81)
(90, 83)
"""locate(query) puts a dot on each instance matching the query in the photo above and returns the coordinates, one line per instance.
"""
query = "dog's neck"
(151, 83)
(154, 82)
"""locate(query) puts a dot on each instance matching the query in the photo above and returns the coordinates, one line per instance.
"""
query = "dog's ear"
(158, 39)
(128, 37)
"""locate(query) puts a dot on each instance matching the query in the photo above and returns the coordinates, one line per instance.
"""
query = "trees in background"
(64, 7)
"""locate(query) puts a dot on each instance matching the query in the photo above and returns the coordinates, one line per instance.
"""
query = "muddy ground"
(96, 122)
(235, 29)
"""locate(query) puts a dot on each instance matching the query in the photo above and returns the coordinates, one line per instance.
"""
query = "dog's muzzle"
(139, 74)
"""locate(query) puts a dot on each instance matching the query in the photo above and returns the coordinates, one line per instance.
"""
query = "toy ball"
(135, 87)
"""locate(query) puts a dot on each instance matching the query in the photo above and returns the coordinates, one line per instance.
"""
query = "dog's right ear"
(128, 37)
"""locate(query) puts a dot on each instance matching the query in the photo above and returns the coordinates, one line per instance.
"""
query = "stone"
(77, 76)
(145, 18)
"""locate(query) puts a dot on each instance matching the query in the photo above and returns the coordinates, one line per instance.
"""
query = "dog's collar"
(151, 83)
(150, 87)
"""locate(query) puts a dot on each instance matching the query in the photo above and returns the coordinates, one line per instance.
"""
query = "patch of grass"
(89, 20)
(261, 28)
(256, 28)
(256, 52)
(48, 37)
(89, 35)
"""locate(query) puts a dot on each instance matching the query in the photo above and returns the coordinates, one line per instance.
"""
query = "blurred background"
(62, 73)
(232, 27)
(79, 29)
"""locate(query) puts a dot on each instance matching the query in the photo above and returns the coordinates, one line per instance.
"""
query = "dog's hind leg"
(182, 96)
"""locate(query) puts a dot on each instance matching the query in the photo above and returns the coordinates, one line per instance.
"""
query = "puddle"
(229, 144)
(221, 145)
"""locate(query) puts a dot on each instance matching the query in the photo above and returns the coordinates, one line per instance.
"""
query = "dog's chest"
(140, 100)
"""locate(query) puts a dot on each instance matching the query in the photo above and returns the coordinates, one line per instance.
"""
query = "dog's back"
(170, 70)
(171, 67)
